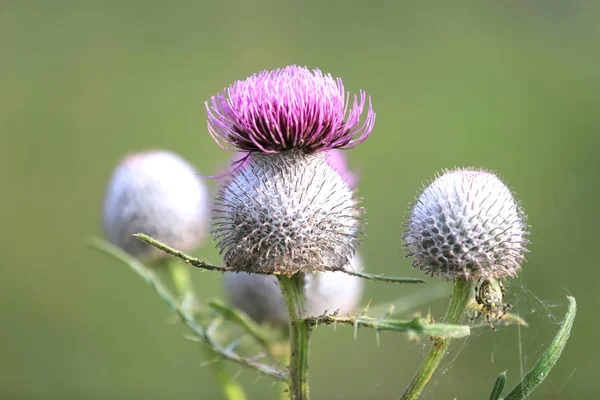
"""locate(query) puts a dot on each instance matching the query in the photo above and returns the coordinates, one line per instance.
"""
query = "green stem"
(283, 387)
(180, 278)
(415, 326)
(159, 287)
(293, 292)
(460, 299)
(203, 264)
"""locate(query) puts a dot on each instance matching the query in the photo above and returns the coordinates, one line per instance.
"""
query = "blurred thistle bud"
(467, 224)
(260, 296)
(287, 210)
(157, 193)
(337, 160)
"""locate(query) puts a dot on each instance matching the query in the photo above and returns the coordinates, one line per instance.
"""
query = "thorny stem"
(283, 387)
(293, 292)
(180, 278)
(188, 320)
(415, 326)
(460, 299)
(380, 278)
(196, 262)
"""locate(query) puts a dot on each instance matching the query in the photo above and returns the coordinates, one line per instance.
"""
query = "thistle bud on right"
(465, 225)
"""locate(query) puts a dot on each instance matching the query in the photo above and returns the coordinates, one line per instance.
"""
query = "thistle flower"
(157, 193)
(289, 108)
(287, 210)
(260, 296)
(467, 224)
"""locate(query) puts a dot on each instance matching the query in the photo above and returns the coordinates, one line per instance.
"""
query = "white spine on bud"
(260, 296)
(285, 213)
(157, 193)
(467, 224)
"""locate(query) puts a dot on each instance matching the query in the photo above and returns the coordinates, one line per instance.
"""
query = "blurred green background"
(511, 86)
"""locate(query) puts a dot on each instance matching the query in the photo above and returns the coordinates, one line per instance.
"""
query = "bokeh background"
(511, 86)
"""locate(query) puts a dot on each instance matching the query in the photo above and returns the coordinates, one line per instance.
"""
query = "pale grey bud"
(286, 212)
(467, 224)
(260, 295)
(157, 193)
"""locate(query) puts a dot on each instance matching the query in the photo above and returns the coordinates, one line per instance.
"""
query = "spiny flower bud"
(467, 224)
(326, 292)
(159, 194)
(285, 213)
(289, 108)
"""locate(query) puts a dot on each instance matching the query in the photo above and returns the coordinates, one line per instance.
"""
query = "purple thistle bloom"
(289, 108)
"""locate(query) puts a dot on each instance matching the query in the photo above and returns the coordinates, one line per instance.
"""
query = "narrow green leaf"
(542, 368)
(498, 386)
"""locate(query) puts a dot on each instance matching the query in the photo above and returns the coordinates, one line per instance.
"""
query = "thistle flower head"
(260, 295)
(157, 193)
(467, 224)
(288, 108)
(285, 213)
